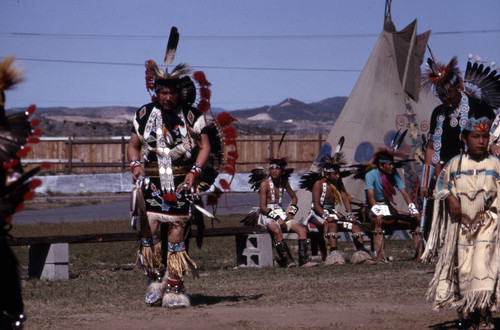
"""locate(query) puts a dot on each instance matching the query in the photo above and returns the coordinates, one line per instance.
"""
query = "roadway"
(119, 209)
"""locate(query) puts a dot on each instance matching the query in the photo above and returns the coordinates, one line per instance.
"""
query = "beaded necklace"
(273, 196)
(462, 110)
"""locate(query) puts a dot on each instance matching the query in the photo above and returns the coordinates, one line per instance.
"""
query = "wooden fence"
(83, 155)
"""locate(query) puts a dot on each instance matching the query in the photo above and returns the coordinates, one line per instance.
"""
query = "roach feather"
(279, 145)
(173, 41)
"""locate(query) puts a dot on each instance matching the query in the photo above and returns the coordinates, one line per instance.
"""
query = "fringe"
(179, 264)
(437, 231)
(154, 216)
(359, 257)
(149, 257)
(445, 269)
(335, 258)
(481, 299)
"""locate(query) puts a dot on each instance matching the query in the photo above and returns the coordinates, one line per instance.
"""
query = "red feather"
(35, 122)
(19, 208)
(212, 200)
(199, 76)
(23, 151)
(231, 161)
(203, 106)
(29, 195)
(11, 163)
(205, 93)
(37, 131)
(30, 110)
(233, 154)
(229, 133)
(34, 183)
(224, 184)
(225, 119)
(229, 169)
(33, 139)
(229, 142)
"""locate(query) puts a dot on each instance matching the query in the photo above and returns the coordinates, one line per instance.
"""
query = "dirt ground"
(354, 314)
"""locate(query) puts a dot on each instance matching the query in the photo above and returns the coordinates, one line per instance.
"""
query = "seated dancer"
(176, 143)
(327, 192)
(271, 214)
(380, 187)
(467, 272)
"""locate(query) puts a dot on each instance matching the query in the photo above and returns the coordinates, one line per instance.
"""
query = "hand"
(282, 223)
(379, 221)
(424, 193)
(495, 150)
(189, 180)
(136, 172)
(289, 216)
(454, 207)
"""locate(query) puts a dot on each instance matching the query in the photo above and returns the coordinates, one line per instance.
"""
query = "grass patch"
(104, 278)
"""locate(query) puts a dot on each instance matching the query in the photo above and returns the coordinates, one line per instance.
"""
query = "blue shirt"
(373, 180)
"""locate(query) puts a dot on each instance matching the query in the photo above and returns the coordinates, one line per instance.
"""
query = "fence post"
(123, 153)
(70, 153)
(320, 142)
(271, 151)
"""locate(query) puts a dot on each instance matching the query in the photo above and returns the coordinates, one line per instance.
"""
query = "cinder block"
(254, 250)
(49, 261)
(399, 234)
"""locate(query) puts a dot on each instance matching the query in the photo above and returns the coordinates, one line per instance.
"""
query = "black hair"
(330, 166)
(185, 86)
(278, 161)
(383, 156)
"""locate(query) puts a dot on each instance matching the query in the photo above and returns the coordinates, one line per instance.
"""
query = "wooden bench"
(49, 255)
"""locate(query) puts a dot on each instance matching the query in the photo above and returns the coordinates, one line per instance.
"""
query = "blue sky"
(91, 53)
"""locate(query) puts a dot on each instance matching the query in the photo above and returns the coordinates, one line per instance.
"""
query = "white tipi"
(386, 98)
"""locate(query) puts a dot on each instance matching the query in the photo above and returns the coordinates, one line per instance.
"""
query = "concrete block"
(400, 234)
(49, 261)
(254, 250)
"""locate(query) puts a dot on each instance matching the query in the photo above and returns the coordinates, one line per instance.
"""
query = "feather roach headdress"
(327, 164)
(278, 160)
(440, 77)
(382, 155)
(178, 78)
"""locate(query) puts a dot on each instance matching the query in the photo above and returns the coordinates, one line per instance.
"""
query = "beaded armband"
(273, 214)
(412, 208)
(293, 209)
(134, 163)
(196, 169)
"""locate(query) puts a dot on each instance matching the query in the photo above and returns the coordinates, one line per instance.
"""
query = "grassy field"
(104, 281)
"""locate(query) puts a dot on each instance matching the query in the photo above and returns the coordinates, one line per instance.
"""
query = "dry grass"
(104, 279)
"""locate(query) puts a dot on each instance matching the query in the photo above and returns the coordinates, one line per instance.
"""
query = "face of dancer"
(477, 142)
(332, 176)
(386, 168)
(168, 98)
(275, 172)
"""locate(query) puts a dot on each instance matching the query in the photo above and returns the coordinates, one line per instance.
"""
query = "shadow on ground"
(213, 300)
(455, 325)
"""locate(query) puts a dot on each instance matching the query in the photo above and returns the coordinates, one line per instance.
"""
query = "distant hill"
(291, 115)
